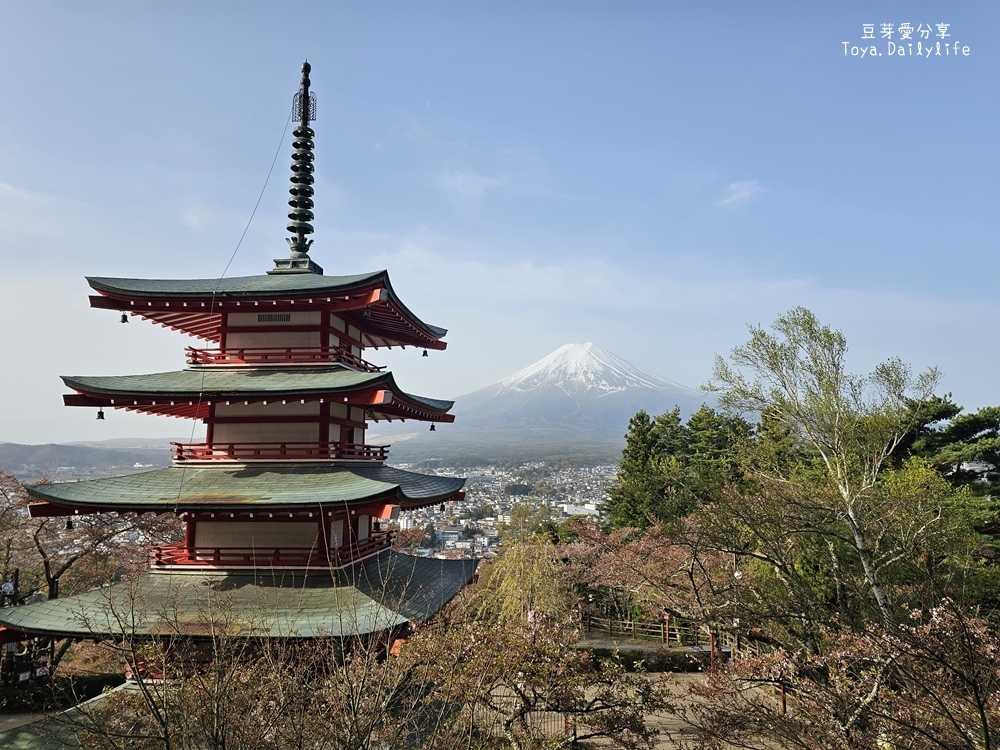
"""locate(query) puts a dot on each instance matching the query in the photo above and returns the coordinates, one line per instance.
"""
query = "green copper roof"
(46, 732)
(61, 731)
(238, 286)
(262, 287)
(255, 486)
(374, 595)
(242, 383)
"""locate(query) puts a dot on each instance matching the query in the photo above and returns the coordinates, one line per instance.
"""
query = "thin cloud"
(738, 193)
(466, 189)
(196, 217)
(28, 216)
(502, 312)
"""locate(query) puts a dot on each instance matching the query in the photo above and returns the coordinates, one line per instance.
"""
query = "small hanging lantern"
(69, 524)
(100, 413)
(124, 317)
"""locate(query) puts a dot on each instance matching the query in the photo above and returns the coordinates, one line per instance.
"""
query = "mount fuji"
(578, 387)
(575, 402)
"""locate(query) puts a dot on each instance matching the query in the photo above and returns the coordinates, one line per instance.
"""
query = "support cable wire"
(211, 309)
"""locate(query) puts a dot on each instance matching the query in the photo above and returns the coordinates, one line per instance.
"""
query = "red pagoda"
(284, 505)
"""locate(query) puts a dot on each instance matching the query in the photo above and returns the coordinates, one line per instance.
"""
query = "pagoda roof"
(188, 393)
(248, 487)
(195, 305)
(373, 595)
(263, 286)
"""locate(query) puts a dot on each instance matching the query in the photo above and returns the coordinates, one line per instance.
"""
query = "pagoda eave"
(402, 412)
(367, 301)
(383, 508)
(190, 393)
(188, 406)
(355, 301)
(47, 509)
(371, 596)
(254, 488)
(377, 508)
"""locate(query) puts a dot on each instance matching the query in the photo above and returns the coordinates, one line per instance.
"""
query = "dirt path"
(671, 727)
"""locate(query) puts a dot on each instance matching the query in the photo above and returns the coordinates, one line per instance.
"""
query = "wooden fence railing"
(220, 451)
(674, 632)
(181, 555)
(279, 356)
(670, 631)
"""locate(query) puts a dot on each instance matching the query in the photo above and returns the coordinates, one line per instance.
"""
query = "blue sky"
(650, 176)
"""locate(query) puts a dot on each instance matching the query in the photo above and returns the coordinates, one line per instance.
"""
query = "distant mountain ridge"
(66, 462)
(578, 398)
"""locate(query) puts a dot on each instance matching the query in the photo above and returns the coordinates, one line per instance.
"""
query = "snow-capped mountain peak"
(583, 368)
(579, 398)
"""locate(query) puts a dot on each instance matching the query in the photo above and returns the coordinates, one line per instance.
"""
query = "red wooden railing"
(272, 451)
(279, 355)
(268, 557)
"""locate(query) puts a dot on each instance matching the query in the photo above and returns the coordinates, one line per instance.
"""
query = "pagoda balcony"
(304, 451)
(298, 355)
(182, 556)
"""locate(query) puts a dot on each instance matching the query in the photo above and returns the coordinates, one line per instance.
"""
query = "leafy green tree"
(965, 448)
(635, 497)
(481, 511)
(430, 536)
(525, 522)
(518, 488)
(852, 424)
(670, 468)
(846, 543)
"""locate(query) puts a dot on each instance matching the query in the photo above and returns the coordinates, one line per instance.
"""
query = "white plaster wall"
(271, 432)
(257, 534)
(270, 409)
(268, 340)
(295, 319)
(337, 533)
(278, 338)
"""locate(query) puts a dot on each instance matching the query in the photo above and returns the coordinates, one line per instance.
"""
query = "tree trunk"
(882, 597)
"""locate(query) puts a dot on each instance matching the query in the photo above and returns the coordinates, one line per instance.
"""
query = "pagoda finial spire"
(300, 216)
